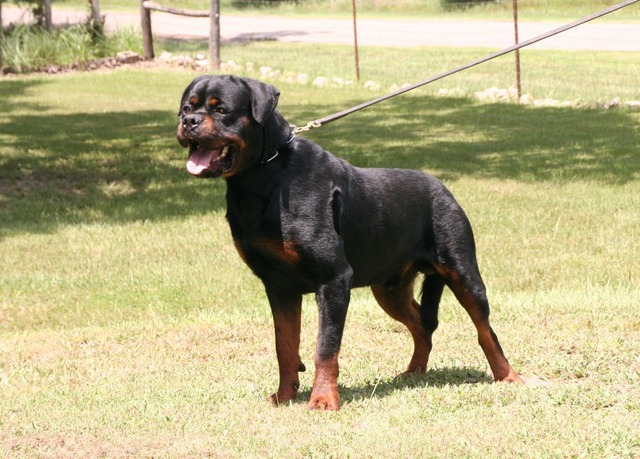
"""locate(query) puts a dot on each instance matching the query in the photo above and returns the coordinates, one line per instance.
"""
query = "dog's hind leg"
(287, 309)
(467, 285)
(399, 303)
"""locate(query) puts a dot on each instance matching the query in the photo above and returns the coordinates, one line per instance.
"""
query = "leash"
(336, 116)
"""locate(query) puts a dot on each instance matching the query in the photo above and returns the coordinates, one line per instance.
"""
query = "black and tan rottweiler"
(306, 221)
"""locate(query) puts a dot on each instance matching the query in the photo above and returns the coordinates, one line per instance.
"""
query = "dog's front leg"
(286, 309)
(333, 301)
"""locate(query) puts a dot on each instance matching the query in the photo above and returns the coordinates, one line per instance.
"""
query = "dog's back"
(384, 218)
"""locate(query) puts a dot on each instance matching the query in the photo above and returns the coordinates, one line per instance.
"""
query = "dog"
(306, 221)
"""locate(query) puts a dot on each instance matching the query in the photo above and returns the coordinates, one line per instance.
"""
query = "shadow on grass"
(197, 45)
(83, 168)
(440, 377)
(455, 138)
(59, 169)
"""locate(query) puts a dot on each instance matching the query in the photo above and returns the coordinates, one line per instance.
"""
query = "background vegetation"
(31, 48)
(528, 9)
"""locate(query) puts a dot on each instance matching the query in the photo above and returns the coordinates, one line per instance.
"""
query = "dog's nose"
(191, 121)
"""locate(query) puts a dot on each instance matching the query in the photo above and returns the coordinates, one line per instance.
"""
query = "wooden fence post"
(214, 27)
(95, 12)
(147, 36)
(47, 15)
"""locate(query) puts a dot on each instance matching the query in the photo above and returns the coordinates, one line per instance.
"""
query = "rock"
(612, 103)
(372, 85)
(320, 82)
(128, 57)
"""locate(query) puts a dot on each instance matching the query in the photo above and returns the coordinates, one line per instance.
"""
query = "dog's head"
(229, 124)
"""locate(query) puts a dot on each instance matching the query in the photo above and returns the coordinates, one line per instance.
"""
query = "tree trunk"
(1, 37)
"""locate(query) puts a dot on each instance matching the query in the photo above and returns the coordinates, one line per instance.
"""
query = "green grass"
(581, 77)
(130, 328)
(28, 48)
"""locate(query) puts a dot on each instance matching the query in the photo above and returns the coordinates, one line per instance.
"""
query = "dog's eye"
(220, 110)
(186, 109)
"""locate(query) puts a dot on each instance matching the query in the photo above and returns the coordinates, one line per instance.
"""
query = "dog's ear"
(264, 99)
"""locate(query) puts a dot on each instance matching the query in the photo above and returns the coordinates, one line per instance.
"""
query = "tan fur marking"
(240, 250)
(284, 250)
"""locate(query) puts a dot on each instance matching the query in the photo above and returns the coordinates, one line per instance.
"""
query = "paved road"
(597, 35)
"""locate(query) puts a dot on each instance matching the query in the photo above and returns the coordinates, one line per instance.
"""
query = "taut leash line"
(336, 116)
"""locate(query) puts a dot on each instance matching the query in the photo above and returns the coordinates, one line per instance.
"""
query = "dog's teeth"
(224, 153)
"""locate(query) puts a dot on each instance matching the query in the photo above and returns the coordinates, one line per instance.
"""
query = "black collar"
(276, 152)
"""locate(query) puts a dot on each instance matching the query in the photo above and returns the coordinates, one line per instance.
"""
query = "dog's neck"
(276, 153)
(276, 134)
(277, 137)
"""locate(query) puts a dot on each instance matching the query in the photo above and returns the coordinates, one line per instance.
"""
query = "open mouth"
(207, 162)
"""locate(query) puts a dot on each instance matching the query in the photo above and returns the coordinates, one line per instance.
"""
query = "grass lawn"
(130, 328)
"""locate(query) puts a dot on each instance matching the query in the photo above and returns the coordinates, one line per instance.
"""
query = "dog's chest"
(277, 261)
(253, 216)
(261, 235)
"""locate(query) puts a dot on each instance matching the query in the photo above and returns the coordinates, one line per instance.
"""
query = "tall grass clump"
(28, 48)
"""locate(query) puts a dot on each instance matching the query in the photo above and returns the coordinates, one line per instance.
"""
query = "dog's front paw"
(328, 401)
(283, 396)
(287, 392)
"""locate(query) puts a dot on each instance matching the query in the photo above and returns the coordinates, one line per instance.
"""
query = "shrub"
(27, 47)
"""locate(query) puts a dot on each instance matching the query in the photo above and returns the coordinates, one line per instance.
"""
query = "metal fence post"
(214, 35)
(355, 40)
(515, 28)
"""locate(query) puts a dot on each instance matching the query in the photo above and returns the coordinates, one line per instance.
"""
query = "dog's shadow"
(380, 388)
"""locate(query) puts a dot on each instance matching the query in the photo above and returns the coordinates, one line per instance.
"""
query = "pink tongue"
(199, 161)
